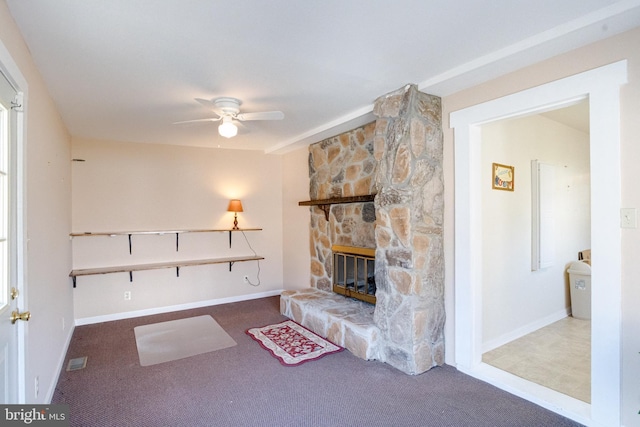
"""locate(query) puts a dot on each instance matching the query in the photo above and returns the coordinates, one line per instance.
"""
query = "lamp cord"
(258, 261)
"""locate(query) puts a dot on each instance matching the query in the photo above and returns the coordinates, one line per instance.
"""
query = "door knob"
(20, 316)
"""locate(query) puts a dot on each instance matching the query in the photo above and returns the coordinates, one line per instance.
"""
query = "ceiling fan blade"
(266, 115)
(212, 119)
(207, 103)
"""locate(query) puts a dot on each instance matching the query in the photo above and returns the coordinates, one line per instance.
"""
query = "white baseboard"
(63, 355)
(525, 330)
(167, 309)
(552, 400)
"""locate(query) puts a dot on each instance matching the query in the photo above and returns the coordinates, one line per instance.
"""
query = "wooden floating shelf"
(173, 264)
(159, 232)
(153, 266)
(325, 204)
(338, 200)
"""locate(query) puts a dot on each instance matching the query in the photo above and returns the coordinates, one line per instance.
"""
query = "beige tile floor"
(557, 356)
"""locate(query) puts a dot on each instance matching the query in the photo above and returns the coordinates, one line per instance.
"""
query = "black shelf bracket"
(231, 264)
(177, 271)
(74, 281)
(327, 210)
(129, 244)
(177, 241)
(131, 276)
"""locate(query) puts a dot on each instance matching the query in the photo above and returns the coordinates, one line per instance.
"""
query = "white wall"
(623, 46)
(295, 184)
(514, 297)
(48, 221)
(139, 187)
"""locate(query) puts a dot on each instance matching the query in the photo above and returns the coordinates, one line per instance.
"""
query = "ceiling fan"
(228, 110)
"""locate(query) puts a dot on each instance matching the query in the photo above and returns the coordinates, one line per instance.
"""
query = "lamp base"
(235, 222)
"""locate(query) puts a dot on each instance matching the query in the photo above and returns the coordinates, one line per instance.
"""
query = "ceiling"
(575, 116)
(123, 70)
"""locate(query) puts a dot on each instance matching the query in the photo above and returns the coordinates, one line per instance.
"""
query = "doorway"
(527, 328)
(601, 86)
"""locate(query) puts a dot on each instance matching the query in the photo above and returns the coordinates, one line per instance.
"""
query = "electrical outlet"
(127, 295)
(36, 387)
(246, 279)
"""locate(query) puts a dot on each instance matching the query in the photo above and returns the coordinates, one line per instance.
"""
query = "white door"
(10, 332)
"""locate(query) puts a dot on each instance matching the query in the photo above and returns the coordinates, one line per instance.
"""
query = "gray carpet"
(245, 386)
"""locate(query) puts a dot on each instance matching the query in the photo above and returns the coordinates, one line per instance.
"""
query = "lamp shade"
(227, 128)
(235, 205)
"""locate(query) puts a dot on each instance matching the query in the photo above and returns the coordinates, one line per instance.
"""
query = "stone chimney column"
(409, 229)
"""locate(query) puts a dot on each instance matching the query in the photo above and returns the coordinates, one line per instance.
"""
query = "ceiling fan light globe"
(228, 129)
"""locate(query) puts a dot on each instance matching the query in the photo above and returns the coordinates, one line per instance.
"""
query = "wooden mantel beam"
(325, 204)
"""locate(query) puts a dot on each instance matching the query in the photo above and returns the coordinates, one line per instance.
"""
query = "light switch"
(628, 218)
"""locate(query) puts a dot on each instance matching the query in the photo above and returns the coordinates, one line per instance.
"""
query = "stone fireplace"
(397, 162)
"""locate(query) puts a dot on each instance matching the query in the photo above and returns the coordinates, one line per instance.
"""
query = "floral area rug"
(291, 343)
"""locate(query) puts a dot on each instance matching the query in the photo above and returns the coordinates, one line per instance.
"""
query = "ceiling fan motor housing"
(229, 106)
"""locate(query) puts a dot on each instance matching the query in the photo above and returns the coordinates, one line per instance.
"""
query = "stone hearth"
(343, 321)
(400, 160)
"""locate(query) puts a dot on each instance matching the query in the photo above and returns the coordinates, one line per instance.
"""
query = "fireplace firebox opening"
(354, 272)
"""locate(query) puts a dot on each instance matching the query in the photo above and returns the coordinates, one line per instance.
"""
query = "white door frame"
(12, 72)
(602, 87)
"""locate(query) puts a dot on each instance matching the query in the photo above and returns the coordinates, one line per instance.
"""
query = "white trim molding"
(187, 306)
(601, 86)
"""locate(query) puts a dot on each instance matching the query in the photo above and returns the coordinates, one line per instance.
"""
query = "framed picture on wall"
(502, 177)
